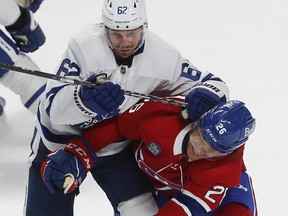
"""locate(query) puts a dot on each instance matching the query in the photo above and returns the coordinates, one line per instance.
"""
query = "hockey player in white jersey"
(124, 52)
(21, 35)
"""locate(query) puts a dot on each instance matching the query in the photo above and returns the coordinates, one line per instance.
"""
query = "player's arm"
(201, 194)
(20, 83)
(80, 106)
(64, 170)
(207, 185)
(178, 207)
(202, 201)
(207, 90)
(21, 25)
(129, 122)
(203, 90)
(206, 94)
(26, 32)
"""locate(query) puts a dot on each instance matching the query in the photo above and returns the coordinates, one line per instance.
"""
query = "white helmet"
(124, 14)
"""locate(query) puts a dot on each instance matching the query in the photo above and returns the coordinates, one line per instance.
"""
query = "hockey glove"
(202, 98)
(35, 4)
(66, 169)
(8, 52)
(26, 32)
(104, 99)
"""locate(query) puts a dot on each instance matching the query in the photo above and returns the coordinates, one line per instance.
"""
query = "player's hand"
(26, 32)
(201, 99)
(8, 53)
(64, 170)
(103, 99)
(57, 166)
(35, 4)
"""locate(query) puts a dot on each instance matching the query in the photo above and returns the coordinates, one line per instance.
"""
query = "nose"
(125, 43)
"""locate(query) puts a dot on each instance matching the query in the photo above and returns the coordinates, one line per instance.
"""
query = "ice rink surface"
(243, 42)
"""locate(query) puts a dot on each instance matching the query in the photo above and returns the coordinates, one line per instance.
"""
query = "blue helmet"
(227, 126)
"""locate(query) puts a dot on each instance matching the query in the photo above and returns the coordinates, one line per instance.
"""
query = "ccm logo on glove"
(80, 153)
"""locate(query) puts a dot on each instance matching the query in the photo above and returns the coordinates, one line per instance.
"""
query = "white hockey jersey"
(28, 87)
(157, 68)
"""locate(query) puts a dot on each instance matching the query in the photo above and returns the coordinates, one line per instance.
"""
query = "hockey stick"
(88, 84)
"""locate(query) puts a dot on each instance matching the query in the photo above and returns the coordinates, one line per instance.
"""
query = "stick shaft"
(88, 84)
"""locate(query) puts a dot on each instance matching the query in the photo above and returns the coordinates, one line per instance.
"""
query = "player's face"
(198, 148)
(125, 42)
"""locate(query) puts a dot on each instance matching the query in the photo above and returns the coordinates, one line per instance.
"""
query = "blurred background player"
(21, 34)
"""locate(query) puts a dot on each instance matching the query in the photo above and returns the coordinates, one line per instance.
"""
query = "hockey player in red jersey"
(196, 168)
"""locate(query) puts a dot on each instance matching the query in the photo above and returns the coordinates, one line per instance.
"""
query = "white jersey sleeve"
(158, 69)
(19, 83)
(9, 12)
(29, 88)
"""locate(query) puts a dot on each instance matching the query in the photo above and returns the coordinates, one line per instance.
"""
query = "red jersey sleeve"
(132, 123)
(103, 134)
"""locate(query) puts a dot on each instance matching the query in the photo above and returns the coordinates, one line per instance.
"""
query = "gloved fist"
(35, 4)
(66, 169)
(201, 99)
(103, 99)
(8, 52)
(26, 32)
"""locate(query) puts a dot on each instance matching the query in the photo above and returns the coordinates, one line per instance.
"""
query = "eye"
(116, 34)
(130, 34)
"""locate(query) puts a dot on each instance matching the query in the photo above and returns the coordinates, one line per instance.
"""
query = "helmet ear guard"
(227, 126)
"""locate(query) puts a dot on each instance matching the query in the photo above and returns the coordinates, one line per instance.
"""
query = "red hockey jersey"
(198, 186)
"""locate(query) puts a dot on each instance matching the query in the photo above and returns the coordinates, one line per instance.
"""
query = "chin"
(193, 156)
(125, 54)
